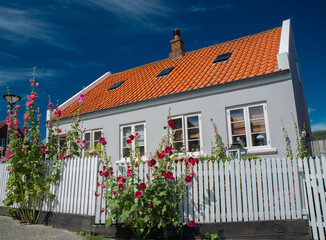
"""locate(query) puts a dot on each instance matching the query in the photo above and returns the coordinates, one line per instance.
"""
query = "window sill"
(262, 151)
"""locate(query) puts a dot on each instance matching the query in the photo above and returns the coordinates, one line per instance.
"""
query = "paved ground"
(13, 230)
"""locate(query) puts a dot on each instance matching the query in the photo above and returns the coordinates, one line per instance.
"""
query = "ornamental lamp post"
(12, 100)
(236, 151)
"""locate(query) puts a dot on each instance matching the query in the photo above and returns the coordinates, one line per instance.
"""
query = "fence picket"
(206, 193)
(265, 190)
(238, 180)
(227, 192)
(280, 190)
(195, 186)
(201, 192)
(250, 192)
(254, 190)
(233, 195)
(217, 193)
(286, 189)
(291, 188)
(211, 192)
(270, 189)
(244, 191)
(221, 167)
(260, 191)
(297, 188)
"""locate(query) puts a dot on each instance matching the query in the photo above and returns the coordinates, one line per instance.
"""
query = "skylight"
(165, 72)
(222, 57)
(116, 85)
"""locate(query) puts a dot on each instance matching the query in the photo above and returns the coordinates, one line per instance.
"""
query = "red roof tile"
(251, 56)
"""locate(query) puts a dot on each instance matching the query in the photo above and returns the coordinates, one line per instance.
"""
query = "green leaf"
(8, 202)
(108, 222)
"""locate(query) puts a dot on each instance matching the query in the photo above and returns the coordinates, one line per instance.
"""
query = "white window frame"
(247, 126)
(133, 144)
(185, 132)
(92, 134)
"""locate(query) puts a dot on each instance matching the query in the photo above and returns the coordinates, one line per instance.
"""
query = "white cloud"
(203, 9)
(318, 126)
(17, 26)
(310, 110)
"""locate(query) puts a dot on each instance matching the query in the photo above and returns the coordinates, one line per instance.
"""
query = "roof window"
(222, 57)
(116, 85)
(165, 72)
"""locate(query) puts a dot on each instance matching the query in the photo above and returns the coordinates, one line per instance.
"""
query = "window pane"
(125, 152)
(126, 131)
(177, 123)
(238, 128)
(257, 126)
(62, 140)
(178, 135)
(236, 115)
(192, 122)
(140, 129)
(193, 133)
(194, 146)
(242, 138)
(97, 135)
(178, 146)
(87, 137)
(256, 112)
(259, 139)
(124, 142)
(141, 142)
(141, 151)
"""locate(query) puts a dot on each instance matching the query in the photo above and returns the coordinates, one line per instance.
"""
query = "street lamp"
(236, 151)
(12, 100)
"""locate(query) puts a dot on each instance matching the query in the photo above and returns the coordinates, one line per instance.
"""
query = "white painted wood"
(250, 192)
(217, 193)
(80, 168)
(87, 185)
(190, 201)
(312, 213)
(254, 190)
(233, 194)
(291, 189)
(195, 193)
(94, 172)
(270, 189)
(276, 196)
(179, 172)
(297, 189)
(69, 189)
(223, 206)
(321, 190)
(314, 187)
(98, 199)
(201, 192)
(286, 189)
(206, 193)
(211, 192)
(260, 190)
(280, 187)
(238, 185)
(244, 191)
(265, 189)
(82, 189)
(227, 192)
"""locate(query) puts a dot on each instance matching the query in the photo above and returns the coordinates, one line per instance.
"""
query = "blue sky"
(73, 42)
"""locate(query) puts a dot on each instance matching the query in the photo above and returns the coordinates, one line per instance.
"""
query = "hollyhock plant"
(191, 223)
(147, 207)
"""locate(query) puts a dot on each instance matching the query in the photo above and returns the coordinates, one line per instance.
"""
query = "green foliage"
(212, 236)
(29, 184)
(218, 151)
(147, 207)
(288, 153)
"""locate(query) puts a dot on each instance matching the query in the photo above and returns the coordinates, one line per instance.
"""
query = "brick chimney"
(177, 45)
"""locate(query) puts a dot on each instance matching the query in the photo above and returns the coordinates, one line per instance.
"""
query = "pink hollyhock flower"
(187, 164)
(160, 155)
(81, 98)
(50, 105)
(102, 210)
(101, 173)
(152, 162)
(138, 194)
(128, 141)
(119, 179)
(170, 123)
(60, 158)
(78, 142)
(84, 141)
(129, 172)
(29, 103)
(96, 194)
(36, 84)
(98, 184)
(30, 80)
(57, 111)
(121, 186)
(106, 174)
(114, 192)
(137, 134)
(103, 141)
(188, 179)
(131, 137)
(9, 155)
(142, 186)
(151, 206)
(191, 223)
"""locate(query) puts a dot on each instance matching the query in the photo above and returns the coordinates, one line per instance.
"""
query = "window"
(249, 124)
(92, 138)
(116, 85)
(187, 132)
(222, 57)
(165, 72)
(126, 131)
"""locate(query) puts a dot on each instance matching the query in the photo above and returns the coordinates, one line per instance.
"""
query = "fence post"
(302, 188)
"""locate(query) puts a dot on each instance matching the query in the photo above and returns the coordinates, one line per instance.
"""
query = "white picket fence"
(220, 192)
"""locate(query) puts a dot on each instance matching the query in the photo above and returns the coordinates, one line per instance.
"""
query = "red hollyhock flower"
(169, 175)
(171, 123)
(191, 223)
(119, 179)
(152, 162)
(160, 155)
(142, 186)
(106, 174)
(131, 137)
(96, 194)
(102, 210)
(129, 172)
(168, 150)
(128, 141)
(101, 173)
(188, 179)
(138, 194)
(121, 186)
(151, 206)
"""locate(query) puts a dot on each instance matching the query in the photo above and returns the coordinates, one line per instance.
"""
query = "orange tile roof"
(251, 56)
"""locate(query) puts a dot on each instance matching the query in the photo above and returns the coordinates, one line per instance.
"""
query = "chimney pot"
(177, 45)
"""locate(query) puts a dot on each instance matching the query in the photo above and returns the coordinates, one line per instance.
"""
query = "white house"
(248, 86)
